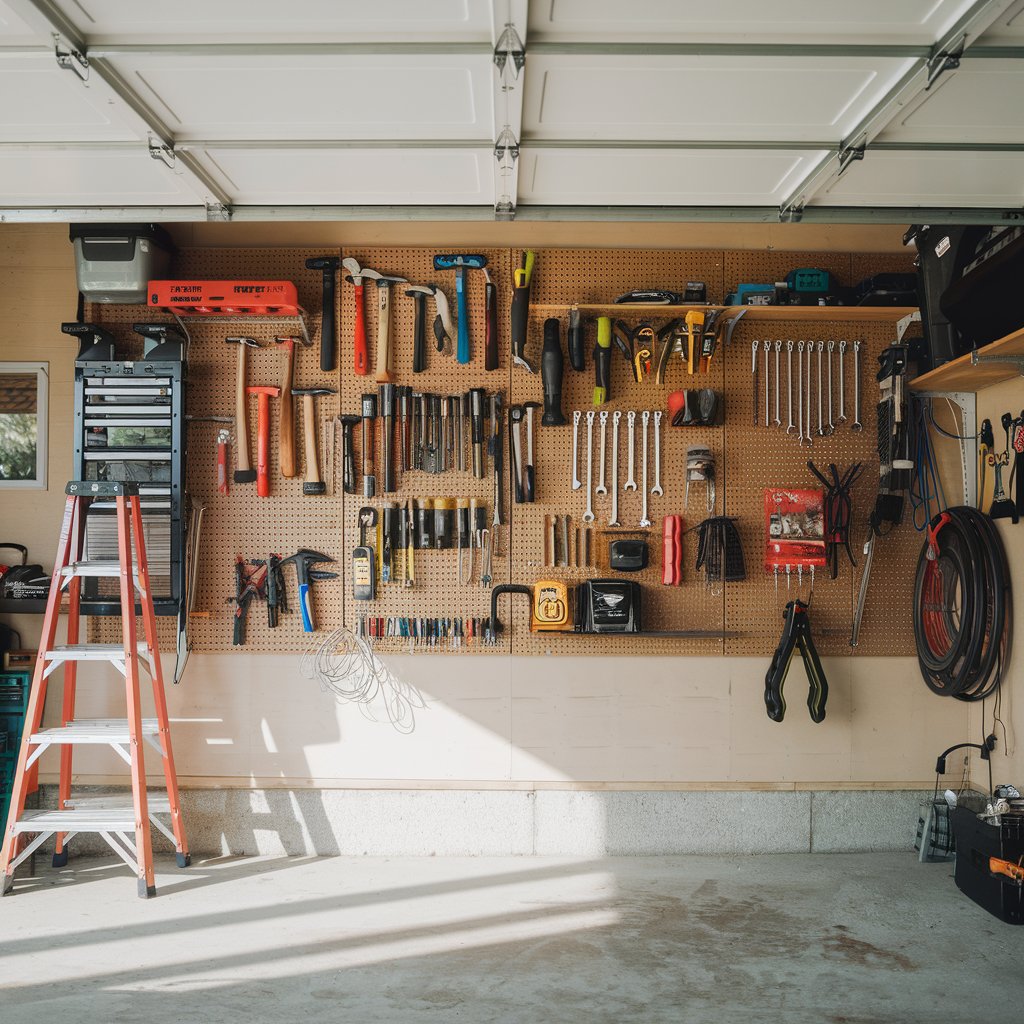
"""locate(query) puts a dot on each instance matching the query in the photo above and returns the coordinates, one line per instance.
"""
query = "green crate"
(14, 689)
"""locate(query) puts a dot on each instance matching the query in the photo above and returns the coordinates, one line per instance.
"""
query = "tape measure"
(550, 606)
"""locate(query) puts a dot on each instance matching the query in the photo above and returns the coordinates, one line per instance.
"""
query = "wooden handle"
(309, 439)
(287, 423)
(242, 463)
(385, 359)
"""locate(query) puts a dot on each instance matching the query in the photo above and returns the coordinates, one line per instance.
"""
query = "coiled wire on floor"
(346, 667)
(962, 605)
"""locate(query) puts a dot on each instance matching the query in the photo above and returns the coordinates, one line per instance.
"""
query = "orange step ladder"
(124, 826)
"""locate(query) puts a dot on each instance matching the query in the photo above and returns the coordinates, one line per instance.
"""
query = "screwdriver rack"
(736, 619)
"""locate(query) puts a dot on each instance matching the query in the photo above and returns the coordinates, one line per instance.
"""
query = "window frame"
(42, 373)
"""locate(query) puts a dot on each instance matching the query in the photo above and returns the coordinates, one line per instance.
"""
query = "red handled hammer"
(263, 396)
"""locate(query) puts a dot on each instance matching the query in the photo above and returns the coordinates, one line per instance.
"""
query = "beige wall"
(658, 722)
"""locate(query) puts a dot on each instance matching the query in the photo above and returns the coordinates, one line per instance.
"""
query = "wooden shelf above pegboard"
(815, 313)
(977, 370)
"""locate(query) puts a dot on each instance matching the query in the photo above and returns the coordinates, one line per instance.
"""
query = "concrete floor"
(846, 939)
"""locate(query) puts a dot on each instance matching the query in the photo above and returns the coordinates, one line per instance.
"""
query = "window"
(23, 388)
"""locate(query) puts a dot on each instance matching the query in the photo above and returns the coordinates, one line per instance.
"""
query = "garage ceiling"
(549, 109)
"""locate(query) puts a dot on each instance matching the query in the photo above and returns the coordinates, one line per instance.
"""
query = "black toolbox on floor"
(976, 841)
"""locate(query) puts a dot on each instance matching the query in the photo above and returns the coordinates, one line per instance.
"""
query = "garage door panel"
(89, 178)
(701, 97)
(129, 21)
(1008, 28)
(915, 21)
(356, 177)
(930, 179)
(41, 103)
(653, 177)
(377, 97)
(982, 102)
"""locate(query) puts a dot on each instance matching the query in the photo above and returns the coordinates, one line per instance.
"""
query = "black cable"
(962, 606)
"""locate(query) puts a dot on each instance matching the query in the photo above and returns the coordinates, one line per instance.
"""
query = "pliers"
(795, 633)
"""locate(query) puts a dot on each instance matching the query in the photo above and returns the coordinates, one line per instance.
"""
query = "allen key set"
(820, 384)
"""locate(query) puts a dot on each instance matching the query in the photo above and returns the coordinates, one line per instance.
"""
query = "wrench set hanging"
(813, 396)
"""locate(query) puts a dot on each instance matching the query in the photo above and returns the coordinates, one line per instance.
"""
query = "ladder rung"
(94, 730)
(91, 652)
(158, 803)
(95, 819)
(96, 568)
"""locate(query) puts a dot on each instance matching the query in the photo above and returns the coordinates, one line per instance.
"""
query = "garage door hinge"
(161, 151)
(947, 60)
(504, 210)
(218, 211)
(506, 148)
(791, 214)
(848, 154)
(69, 59)
(510, 48)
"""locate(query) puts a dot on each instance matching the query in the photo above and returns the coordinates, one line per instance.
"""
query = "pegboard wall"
(734, 618)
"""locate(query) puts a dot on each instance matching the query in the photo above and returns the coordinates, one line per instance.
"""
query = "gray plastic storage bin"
(115, 262)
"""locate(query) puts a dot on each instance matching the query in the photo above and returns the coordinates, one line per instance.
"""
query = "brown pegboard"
(749, 459)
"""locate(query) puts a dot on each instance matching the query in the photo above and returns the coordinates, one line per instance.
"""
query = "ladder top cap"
(102, 488)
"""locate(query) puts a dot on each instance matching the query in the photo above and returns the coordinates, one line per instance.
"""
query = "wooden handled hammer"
(244, 473)
(312, 484)
(286, 431)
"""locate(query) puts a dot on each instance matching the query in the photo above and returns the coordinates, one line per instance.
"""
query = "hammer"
(329, 265)
(263, 396)
(303, 559)
(355, 277)
(312, 484)
(459, 262)
(286, 432)
(419, 293)
(244, 473)
(385, 352)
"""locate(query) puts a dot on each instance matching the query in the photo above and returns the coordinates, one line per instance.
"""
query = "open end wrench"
(856, 425)
(789, 386)
(810, 356)
(778, 356)
(800, 389)
(842, 382)
(821, 419)
(644, 519)
(616, 417)
(577, 483)
(657, 489)
(767, 349)
(588, 515)
(831, 425)
(601, 489)
(630, 484)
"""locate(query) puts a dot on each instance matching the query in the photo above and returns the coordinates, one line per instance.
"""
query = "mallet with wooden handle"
(263, 397)
(385, 351)
(244, 473)
(286, 428)
(312, 484)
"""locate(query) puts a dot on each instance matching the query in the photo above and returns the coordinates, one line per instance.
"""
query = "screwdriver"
(387, 455)
(476, 417)
(369, 409)
(602, 360)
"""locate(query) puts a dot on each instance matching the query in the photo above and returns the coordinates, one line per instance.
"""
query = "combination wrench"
(800, 389)
(614, 520)
(601, 489)
(842, 382)
(831, 425)
(856, 425)
(767, 349)
(789, 385)
(753, 370)
(630, 484)
(778, 356)
(576, 482)
(657, 489)
(588, 515)
(810, 391)
(644, 519)
(821, 420)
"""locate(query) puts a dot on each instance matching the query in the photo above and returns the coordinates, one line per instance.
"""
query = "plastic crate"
(14, 688)
(976, 842)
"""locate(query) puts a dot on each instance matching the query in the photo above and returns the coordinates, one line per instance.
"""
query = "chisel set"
(812, 395)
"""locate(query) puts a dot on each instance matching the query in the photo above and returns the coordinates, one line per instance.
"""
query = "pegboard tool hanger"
(508, 29)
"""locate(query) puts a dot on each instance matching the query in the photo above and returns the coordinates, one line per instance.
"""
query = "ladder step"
(96, 567)
(94, 730)
(156, 800)
(94, 819)
(91, 652)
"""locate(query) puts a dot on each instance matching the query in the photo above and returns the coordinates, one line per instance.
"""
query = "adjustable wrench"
(842, 382)
(614, 520)
(767, 349)
(588, 515)
(789, 385)
(856, 425)
(601, 489)
(644, 519)
(630, 484)
(821, 422)
(800, 389)
(657, 489)
(576, 482)
(831, 425)
(778, 356)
